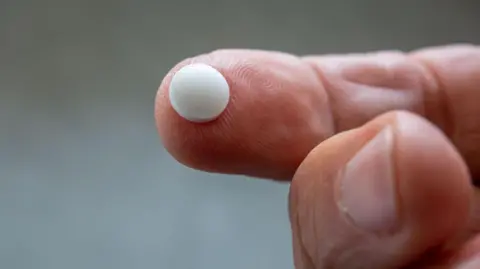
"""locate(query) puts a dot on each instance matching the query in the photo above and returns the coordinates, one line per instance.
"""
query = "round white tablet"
(199, 93)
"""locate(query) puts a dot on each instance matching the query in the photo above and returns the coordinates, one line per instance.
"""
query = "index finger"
(282, 105)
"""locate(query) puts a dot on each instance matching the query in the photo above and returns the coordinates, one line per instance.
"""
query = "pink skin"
(264, 113)
(282, 107)
(280, 102)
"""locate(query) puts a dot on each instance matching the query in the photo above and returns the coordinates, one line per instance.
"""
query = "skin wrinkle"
(305, 215)
(316, 234)
(351, 88)
(455, 69)
(305, 257)
(445, 116)
(311, 251)
(431, 97)
(321, 81)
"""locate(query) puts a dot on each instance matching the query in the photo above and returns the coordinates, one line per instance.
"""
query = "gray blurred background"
(84, 180)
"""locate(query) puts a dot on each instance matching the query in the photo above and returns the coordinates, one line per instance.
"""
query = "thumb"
(378, 196)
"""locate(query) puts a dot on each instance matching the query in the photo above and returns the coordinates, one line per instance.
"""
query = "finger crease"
(319, 76)
(444, 106)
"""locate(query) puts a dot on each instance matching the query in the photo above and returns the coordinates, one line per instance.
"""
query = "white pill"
(199, 93)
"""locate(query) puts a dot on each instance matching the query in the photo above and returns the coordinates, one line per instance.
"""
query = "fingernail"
(199, 93)
(368, 195)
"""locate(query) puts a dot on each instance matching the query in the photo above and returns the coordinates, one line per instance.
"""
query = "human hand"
(372, 185)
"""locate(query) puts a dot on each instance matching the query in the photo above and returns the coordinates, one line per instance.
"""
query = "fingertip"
(276, 114)
(188, 128)
(429, 199)
(433, 180)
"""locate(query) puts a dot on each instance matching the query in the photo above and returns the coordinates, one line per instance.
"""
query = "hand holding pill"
(381, 148)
